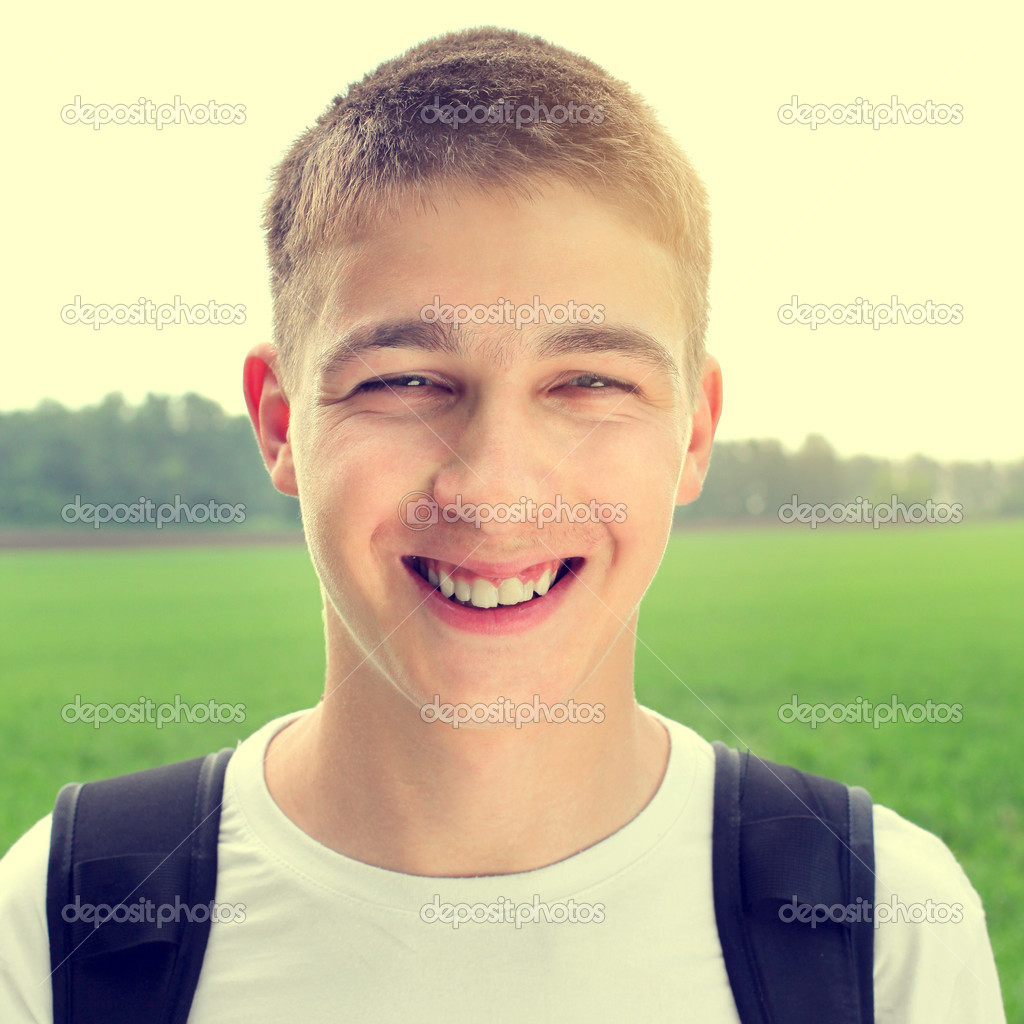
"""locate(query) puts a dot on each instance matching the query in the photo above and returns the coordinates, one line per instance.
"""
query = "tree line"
(188, 449)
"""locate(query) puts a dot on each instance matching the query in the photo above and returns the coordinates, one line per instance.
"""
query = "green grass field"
(735, 624)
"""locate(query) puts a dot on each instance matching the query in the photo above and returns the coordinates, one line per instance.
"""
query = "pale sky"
(844, 212)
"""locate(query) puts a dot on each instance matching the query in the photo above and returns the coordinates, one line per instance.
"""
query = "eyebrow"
(568, 339)
(350, 346)
(632, 342)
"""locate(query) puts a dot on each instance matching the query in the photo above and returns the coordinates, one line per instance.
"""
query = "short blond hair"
(374, 148)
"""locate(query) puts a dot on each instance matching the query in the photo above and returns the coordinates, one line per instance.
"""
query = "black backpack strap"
(785, 840)
(130, 852)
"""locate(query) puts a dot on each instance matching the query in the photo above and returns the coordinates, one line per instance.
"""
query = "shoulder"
(915, 861)
(23, 872)
(25, 996)
(933, 958)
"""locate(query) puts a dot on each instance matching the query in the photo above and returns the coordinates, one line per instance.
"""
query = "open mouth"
(471, 591)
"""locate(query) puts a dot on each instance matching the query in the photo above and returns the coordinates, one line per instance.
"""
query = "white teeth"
(544, 583)
(484, 594)
(510, 592)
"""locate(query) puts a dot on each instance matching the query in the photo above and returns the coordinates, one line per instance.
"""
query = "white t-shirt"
(327, 938)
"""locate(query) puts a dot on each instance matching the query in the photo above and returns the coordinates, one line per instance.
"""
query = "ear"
(705, 422)
(269, 411)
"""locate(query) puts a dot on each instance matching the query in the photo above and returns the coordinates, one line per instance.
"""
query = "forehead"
(562, 246)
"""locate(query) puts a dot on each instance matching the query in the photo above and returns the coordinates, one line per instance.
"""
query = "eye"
(405, 382)
(594, 382)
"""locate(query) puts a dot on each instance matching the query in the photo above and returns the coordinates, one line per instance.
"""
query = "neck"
(364, 775)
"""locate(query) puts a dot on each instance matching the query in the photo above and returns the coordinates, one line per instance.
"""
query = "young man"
(442, 471)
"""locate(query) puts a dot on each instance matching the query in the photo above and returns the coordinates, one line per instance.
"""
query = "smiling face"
(386, 405)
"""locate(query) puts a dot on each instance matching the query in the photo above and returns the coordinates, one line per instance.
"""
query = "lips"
(488, 587)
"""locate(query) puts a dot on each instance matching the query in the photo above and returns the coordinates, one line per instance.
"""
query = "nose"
(499, 455)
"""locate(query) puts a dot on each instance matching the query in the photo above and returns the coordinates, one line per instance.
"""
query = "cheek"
(352, 477)
(639, 468)
(643, 477)
(339, 461)
(343, 492)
